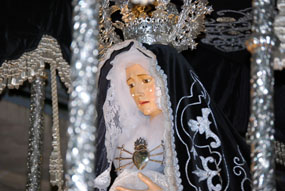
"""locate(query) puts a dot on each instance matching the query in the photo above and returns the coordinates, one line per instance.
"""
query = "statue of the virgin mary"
(158, 129)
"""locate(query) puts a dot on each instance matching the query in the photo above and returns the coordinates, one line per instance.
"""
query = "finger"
(119, 188)
(145, 179)
(151, 185)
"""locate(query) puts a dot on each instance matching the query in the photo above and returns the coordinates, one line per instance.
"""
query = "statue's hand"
(150, 184)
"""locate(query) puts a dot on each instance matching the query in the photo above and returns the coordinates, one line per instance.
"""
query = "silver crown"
(157, 22)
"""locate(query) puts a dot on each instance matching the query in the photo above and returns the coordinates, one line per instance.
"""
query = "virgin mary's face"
(142, 89)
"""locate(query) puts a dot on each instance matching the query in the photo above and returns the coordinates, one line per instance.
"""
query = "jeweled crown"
(157, 22)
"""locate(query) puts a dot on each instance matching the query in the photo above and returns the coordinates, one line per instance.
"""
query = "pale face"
(142, 89)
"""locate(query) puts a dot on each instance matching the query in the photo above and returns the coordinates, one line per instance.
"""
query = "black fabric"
(178, 79)
(24, 22)
(180, 76)
(226, 78)
(22, 25)
(279, 106)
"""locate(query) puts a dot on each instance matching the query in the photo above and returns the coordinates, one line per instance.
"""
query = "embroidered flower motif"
(202, 125)
(207, 174)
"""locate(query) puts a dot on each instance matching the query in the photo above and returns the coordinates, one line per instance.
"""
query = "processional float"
(93, 34)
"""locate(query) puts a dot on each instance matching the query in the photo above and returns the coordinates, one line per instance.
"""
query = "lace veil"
(119, 109)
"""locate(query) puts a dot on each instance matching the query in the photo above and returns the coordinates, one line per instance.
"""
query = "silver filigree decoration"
(81, 131)
(229, 30)
(107, 34)
(13, 73)
(35, 134)
(261, 126)
(207, 174)
(279, 29)
(163, 25)
(143, 2)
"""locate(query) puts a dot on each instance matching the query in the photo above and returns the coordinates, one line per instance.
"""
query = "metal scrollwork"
(229, 30)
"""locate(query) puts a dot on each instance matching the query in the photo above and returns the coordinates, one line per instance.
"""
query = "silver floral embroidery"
(214, 156)
(202, 125)
(239, 170)
(229, 31)
(207, 174)
(216, 159)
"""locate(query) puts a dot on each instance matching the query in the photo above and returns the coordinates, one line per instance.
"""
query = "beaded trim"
(13, 73)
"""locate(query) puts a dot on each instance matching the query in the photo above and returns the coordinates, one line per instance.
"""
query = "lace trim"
(113, 131)
(103, 180)
(112, 124)
(118, 46)
(171, 167)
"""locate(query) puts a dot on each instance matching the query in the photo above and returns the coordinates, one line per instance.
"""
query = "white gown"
(153, 134)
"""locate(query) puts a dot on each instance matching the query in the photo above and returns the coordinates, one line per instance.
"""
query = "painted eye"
(146, 81)
(131, 85)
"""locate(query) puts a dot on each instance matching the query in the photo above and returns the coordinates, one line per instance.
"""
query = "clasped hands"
(150, 184)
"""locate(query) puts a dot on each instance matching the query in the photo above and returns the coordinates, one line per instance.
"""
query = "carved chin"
(146, 112)
(145, 109)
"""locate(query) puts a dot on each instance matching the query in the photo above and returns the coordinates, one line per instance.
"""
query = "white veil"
(120, 110)
(129, 116)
